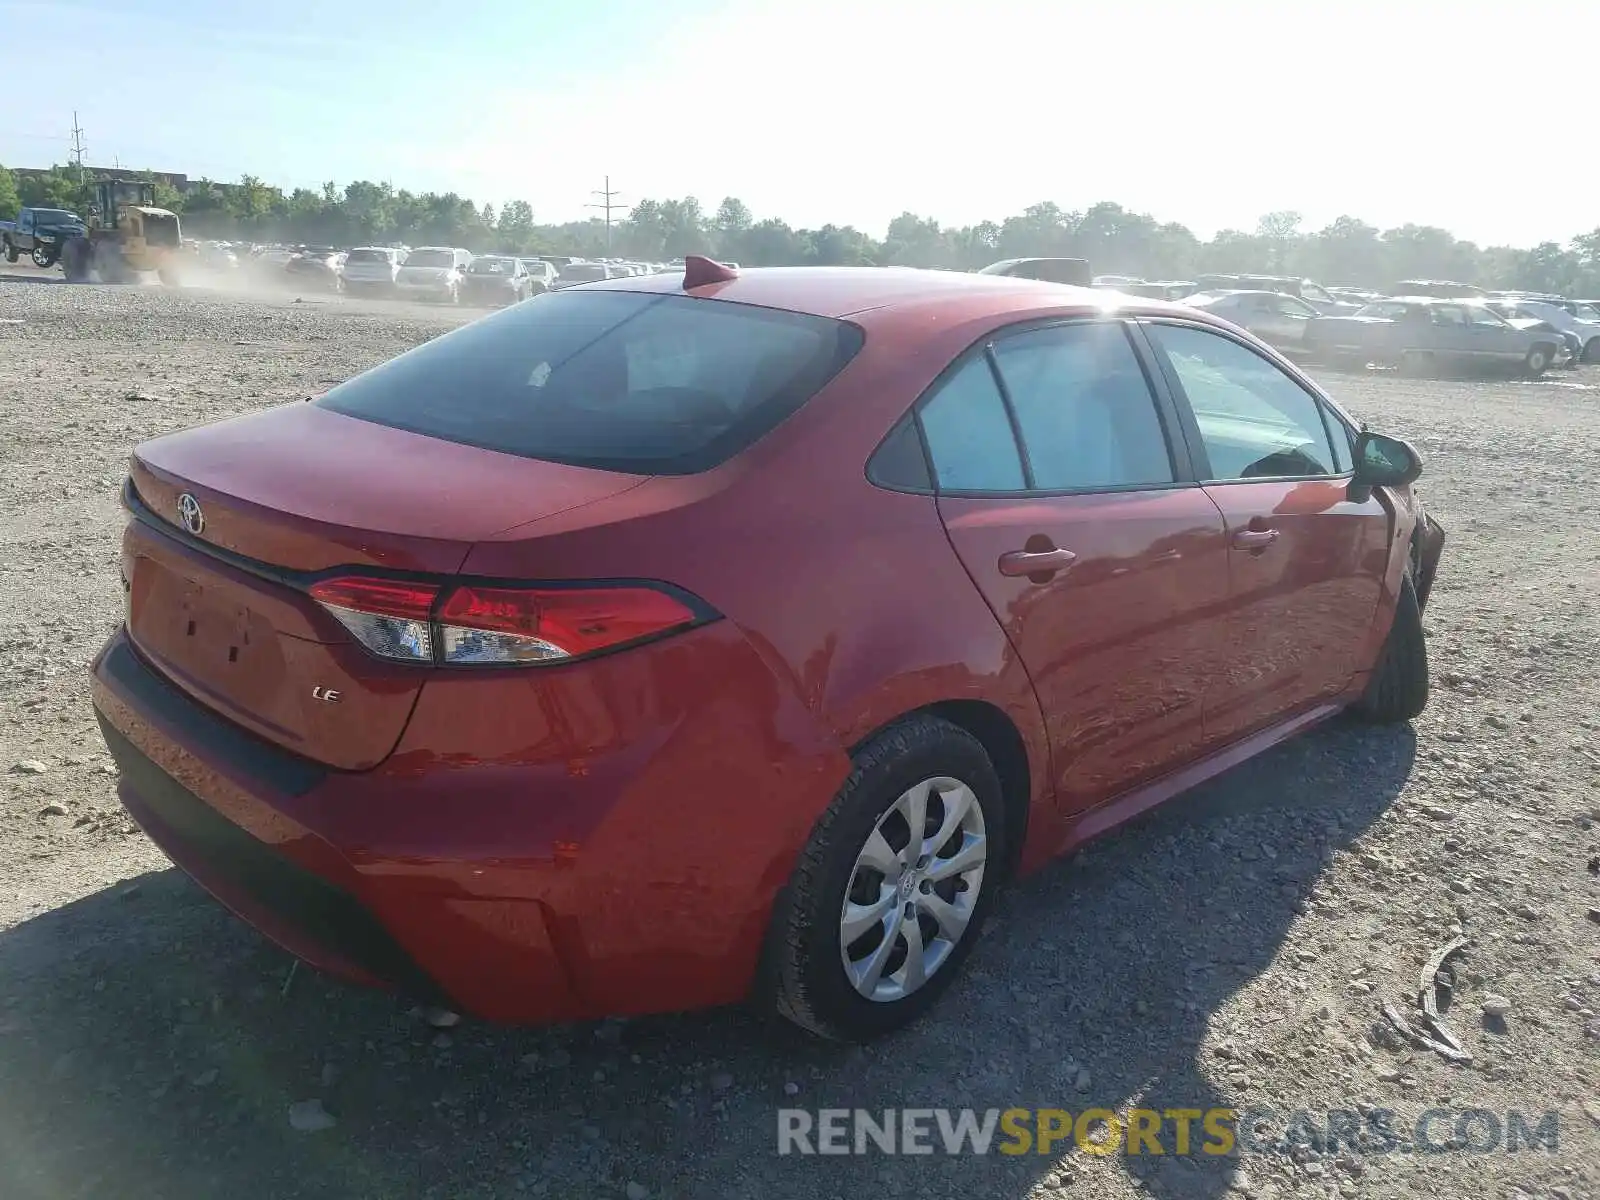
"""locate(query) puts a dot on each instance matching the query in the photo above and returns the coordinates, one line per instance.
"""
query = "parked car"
(582, 272)
(1052, 270)
(1115, 283)
(509, 672)
(1161, 289)
(1312, 293)
(495, 279)
(1275, 318)
(320, 266)
(433, 273)
(1422, 334)
(373, 268)
(542, 275)
(1442, 289)
(1582, 335)
(1360, 297)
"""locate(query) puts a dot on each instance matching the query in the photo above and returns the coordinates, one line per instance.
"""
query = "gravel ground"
(1228, 951)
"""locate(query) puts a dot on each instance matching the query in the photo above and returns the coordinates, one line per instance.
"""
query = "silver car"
(1275, 318)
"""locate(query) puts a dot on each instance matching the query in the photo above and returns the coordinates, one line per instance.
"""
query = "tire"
(1537, 362)
(1591, 351)
(12, 254)
(1397, 692)
(1417, 363)
(805, 978)
(75, 261)
(44, 257)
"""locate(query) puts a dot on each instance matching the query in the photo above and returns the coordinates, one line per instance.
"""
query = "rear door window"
(1086, 414)
(626, 381)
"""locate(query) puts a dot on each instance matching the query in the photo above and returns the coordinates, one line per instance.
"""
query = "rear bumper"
(531, 852)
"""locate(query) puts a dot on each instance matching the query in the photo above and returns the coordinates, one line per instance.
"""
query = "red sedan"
(678, 639)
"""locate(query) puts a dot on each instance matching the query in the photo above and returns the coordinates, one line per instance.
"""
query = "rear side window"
(622, 381)
(969, 434)
(1085, 411)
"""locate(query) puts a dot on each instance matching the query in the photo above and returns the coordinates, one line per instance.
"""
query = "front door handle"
(1036, 562)
(1254, 539)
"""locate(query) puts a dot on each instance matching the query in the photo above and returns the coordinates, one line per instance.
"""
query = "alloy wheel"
(913, 890)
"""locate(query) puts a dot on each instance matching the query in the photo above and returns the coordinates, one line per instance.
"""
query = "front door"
(1108, 572)
(1306, 562)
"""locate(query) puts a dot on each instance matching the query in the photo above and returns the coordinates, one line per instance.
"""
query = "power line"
(608, 204)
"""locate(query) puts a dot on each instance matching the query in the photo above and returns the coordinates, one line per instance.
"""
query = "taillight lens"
(479, 625)
(529, 625)
(387, 616)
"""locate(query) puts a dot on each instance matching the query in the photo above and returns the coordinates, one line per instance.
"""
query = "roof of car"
(844, 291)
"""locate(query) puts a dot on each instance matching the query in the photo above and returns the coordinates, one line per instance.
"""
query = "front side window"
(622, 381)
(1482, 315)
(1255, 421)
(969, 435)
(1084, 410)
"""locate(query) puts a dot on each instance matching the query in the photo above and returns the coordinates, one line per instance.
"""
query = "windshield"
(492, 266)
(1586, 312)
(621, 381)
(431, 258)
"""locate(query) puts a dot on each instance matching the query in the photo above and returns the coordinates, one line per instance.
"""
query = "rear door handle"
(1036, 562)
(1254, 539)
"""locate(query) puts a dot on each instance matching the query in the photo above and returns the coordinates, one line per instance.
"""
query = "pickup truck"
(39, 233)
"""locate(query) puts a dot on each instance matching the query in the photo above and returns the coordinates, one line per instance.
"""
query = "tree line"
(1112, 238)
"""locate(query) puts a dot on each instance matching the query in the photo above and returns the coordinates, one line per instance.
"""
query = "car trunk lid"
(219, 604)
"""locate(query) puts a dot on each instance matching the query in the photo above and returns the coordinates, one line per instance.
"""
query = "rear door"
(1306, 561)
(1104, 562)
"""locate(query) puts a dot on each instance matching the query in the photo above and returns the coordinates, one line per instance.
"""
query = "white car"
(372, 268)
(433, 273)
(1558, 318)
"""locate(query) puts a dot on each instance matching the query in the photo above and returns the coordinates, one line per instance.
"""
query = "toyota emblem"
(189, 513)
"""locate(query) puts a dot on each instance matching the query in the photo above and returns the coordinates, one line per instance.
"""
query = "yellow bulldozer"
(127, 236)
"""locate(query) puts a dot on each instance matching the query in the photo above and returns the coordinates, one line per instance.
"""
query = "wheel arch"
(1000, 738)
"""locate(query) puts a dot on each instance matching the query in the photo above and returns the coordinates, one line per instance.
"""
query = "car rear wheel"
(1536, 363)
(1398, 689)
(893, 887)
(1591, 351)
(1417, 363)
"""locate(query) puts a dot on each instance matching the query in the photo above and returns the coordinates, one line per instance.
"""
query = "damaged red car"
(676, 640)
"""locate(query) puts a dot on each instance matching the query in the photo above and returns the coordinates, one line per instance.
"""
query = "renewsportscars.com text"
(1166, 1131)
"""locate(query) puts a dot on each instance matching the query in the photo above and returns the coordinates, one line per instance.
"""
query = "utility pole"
(607, 204)
(78, 148)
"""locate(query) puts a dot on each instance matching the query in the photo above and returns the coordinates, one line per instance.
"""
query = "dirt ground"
(1230, 950)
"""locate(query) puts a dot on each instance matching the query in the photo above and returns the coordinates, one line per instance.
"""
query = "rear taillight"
(388, 617)
(494, 625)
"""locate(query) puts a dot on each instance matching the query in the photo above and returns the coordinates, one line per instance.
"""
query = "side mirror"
(1385, 461)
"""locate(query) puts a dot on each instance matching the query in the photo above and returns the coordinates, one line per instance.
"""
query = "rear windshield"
(622, 381)
(492, 266)
(369, 256)
(431, 258)
(584, 272)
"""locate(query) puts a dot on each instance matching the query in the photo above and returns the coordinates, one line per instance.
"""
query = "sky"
(846, 111)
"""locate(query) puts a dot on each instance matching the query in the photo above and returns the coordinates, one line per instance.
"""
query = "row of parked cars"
(1417, 324)
(450, 274)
